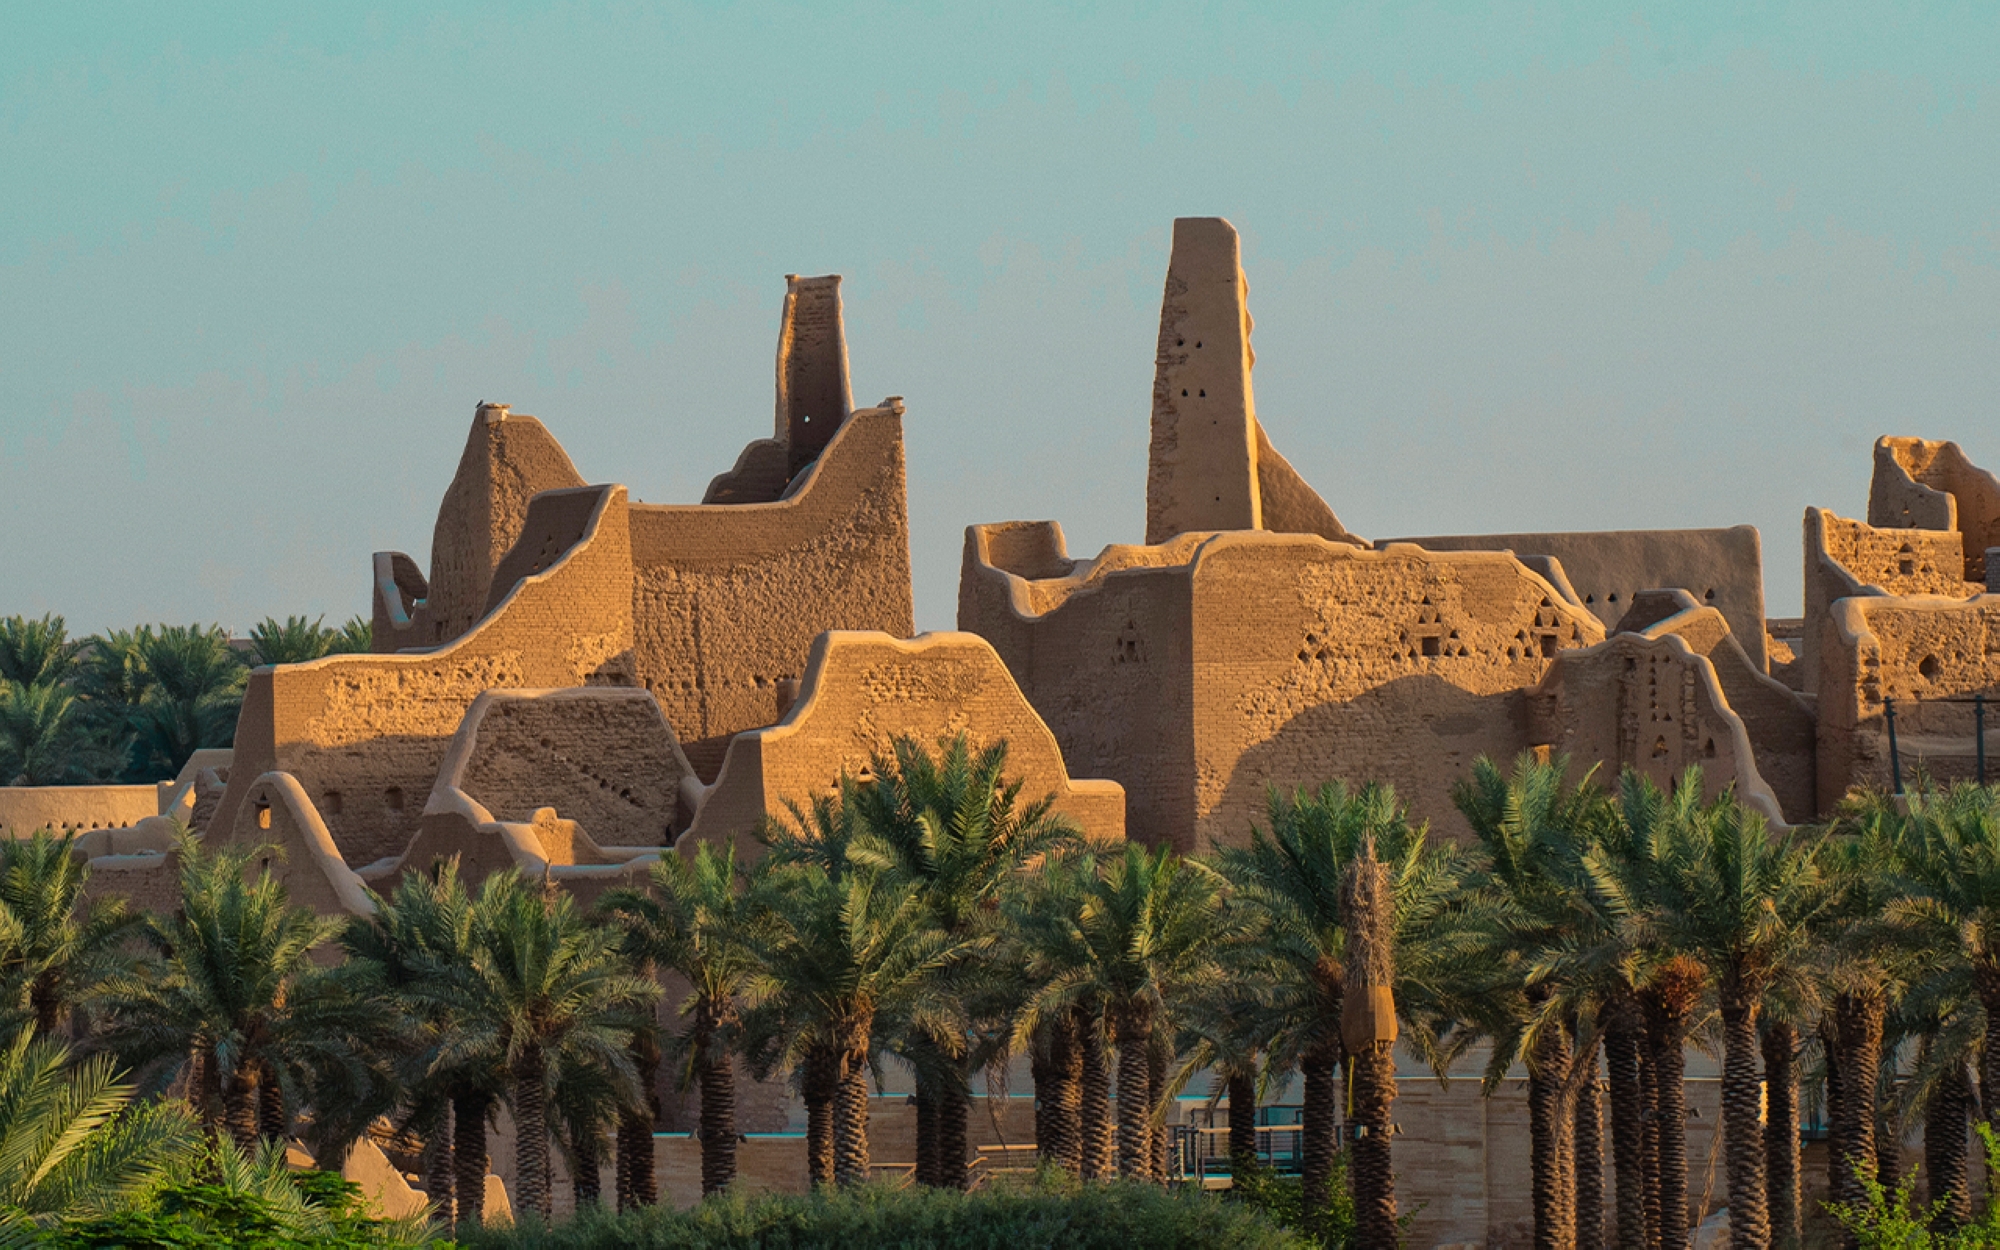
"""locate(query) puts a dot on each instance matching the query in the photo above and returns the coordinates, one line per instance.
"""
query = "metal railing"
(1978, 702)
(1199, 1152)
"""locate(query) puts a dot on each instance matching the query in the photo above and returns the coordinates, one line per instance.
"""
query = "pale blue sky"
(1513, 267)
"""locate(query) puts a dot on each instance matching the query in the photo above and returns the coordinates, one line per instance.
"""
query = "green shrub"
(1048, 1211)
(1281, 1199)
(1891, 1220)
(236, 1200)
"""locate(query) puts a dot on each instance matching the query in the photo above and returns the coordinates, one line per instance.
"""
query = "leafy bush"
(1282, 1200)
(233, 1200)
(1049, 1211)
(1891, 1220)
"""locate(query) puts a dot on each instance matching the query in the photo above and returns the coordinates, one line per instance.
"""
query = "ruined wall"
(365, 734)
(864, 689)
(1199, 674)
(1723, 568)
(1290, 506)
(1655, 700)
(814, 396)
(601, 756)
(727, 600)
(1105, 655)
(296, 848)
(507, 460)
(1202, 472)
(1922, 484)
(1313, 661)
(1845, 558)
(1915, 650)
(73, 809)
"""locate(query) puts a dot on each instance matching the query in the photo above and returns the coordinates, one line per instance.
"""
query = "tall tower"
(1202, 473)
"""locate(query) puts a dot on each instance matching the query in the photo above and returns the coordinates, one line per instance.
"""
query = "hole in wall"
(392, 798)
(263, 815)
(1548, 646)
(1927, 668)
(1708, 749)
(1660, 748)
(1429, 645)
(1709, 594)
(331, 802)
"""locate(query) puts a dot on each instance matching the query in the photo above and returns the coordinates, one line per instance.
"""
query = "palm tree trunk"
(438, 1168)
(1781, 1133)
(953, 1110)
(1548, 1130)
(1095, 1109)
(272, 1122)
(1628, 1123)
(1059, 1099)
(1318, 1127)
(1649, 1142)
(468, 1155)
(927, 1130)
(1159, 1134)
(1986, 981)
(1041, 1071)
(638, 1180)
(637, 1185)
(1589, 1137)
(239, 1106)
(1888, 1133)
(1374, 1076)
(1134, 1029)
(587, 1184)
(718, 1125)
(819, 1081)
(1242, 1085)
(1367, 905)
(1945, 1169)
(531, 1137)
(1668, 1020)
(850, 1104)
(1742, 1127)
(1858, 1023)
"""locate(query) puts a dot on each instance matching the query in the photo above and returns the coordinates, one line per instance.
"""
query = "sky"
(1513, 267)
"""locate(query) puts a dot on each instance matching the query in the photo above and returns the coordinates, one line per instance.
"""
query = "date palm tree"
(1148, 927)
(1746, 906)
(233, 998)
(958, 828)
(420, 939)
(1866, 967)
(844, 949)
(73, 1143)
(1286, 885)
(1551, 955)
(700, 923)
(542, 988)
(37, 652)
(57, 947)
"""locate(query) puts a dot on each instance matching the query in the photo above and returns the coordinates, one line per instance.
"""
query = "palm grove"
(932, 915)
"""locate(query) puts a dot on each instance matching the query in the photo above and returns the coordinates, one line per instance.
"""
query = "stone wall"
(727, 600)
(861, 691)
(1722, 568)
(1261, 659)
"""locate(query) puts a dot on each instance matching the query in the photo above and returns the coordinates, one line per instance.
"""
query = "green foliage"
(36, 653)
(237, 1199)
(234, 982)
(1048, 1211)
(296, 640)
(71, 1142)
(1281, 1199)
(1892, 1220)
